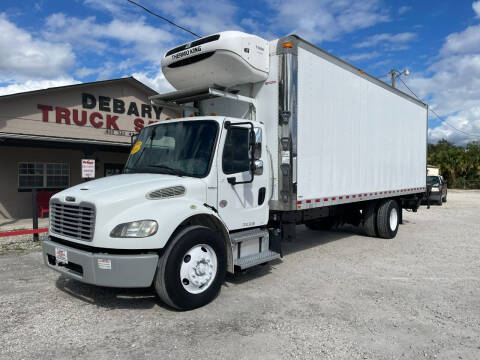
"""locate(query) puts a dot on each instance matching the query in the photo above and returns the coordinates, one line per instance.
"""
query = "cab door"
(243, 172)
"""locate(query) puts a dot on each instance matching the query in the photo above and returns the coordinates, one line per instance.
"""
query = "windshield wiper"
(173, 170)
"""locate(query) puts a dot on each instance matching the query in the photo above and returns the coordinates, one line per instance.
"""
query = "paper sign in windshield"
(136, 147)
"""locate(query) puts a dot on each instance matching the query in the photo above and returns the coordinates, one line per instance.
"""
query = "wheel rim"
(198, 269)
(393, 219)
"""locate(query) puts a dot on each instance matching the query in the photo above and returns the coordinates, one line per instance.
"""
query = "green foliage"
(459, 165)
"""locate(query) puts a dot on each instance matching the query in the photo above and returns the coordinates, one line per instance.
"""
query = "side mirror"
(258, 167)
(133, 139)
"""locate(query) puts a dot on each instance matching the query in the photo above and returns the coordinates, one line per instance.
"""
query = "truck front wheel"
(192, 269)
(388, 216)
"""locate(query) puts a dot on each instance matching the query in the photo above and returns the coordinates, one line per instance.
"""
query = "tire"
(321, 224)
(199, 246)
(388, 216)
(369, 219)
(445, 198)
(440, 201)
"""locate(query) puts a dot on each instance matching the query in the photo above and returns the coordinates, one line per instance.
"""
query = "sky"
(46, 43)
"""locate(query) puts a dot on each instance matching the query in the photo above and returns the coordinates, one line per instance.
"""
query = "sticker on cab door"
(136, 147)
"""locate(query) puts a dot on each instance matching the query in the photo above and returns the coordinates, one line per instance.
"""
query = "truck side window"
(235, 153)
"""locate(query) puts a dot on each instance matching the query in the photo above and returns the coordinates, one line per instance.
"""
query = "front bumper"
(126, 271)
(436, 195)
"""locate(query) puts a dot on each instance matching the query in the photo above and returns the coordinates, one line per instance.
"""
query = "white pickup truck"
(271, 134)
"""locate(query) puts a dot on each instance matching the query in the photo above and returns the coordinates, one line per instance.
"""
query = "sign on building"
(88, 168)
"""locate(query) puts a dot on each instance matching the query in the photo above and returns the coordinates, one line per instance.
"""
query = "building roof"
(131, 80)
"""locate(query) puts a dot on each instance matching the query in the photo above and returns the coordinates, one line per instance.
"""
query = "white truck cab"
(268, 136)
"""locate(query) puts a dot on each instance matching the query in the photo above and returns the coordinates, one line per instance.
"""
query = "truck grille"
(75, 221)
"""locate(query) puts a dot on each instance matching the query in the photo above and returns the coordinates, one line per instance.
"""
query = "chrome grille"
(75, 221)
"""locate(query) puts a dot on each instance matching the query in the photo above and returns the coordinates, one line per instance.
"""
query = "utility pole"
(393, 74)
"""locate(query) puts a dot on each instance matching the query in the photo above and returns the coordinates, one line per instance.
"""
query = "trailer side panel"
(354, 136)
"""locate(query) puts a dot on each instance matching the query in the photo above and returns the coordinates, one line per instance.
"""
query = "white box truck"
(270, 134)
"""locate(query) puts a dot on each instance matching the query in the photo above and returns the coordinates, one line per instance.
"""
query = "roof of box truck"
(296, 40)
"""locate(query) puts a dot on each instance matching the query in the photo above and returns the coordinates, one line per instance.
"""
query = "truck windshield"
(179, 148)
(432, 179)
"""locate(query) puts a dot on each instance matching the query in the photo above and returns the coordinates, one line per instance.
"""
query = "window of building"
(43, 175)
(112, 169)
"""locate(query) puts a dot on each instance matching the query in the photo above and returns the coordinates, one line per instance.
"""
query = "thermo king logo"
(183, 53)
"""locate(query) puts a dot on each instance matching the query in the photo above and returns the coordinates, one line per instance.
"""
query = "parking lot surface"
(334, 294)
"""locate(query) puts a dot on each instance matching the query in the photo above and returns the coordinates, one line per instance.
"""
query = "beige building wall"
(23, 114)
(18, 204)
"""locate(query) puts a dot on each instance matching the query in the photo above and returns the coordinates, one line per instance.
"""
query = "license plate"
(61, 255)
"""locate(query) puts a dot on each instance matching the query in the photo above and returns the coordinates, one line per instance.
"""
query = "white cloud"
(403, 9)
(156, 82)
(467, 41)
(390, 41)
(135, 38)
(31, 85)
(324, 20)
(467, 121)
(23, 56)
(203, 17)
(476, 8)
(452, 87)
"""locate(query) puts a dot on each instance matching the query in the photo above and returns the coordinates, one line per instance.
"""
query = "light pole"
(395, 73)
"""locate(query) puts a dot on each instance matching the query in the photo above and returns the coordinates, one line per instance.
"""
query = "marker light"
(287, 45)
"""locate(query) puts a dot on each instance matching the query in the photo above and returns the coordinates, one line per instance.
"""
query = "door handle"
(261, 195)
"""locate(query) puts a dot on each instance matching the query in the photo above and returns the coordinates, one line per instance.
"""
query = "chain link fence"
(466, 184)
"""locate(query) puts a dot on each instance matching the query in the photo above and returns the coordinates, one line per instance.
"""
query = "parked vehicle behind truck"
(270, 135)
(438, 192)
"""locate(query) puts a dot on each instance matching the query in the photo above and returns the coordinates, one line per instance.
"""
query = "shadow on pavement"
(305, 240)
(111, 298)
(146, 298)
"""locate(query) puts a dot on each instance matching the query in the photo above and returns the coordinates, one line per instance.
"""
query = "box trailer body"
(282, 133)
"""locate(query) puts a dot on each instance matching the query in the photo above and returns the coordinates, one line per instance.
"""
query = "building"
(433, 170)
(45, 134)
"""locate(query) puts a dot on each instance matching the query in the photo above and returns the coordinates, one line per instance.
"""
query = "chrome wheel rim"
(393, 219)
(198, 269)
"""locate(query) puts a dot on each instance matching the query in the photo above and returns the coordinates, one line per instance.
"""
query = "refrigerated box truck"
(270, 135)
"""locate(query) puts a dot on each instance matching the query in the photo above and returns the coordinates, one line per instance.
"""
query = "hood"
(126, 187)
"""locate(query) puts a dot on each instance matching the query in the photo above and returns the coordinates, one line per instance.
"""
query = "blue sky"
(53, 43)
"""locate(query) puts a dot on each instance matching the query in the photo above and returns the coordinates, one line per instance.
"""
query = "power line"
(438, 116)
(163, 18)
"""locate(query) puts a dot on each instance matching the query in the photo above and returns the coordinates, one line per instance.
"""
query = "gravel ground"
(334, 295)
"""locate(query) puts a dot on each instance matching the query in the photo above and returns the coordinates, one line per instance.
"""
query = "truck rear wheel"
(192, 269)
(369, 219)
(388, 216)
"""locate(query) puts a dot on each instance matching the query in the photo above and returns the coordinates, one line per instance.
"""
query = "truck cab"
(184, 178)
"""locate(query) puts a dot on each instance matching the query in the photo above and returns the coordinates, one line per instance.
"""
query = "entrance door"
(242, 202)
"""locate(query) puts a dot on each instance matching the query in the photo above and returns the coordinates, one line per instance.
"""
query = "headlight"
(135, 229)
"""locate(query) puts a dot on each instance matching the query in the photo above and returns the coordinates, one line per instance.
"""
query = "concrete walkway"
(21, 224)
